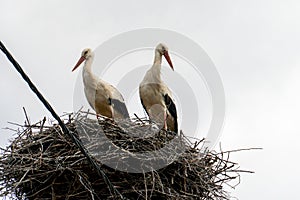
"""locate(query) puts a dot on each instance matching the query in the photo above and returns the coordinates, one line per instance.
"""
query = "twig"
(42, 124)
(27, 118)
(243, 149)
(139, 118)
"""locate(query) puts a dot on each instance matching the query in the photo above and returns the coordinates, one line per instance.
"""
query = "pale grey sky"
(254, 45)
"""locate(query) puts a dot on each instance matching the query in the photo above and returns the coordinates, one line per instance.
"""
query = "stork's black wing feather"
(119, 106)
(172, 110)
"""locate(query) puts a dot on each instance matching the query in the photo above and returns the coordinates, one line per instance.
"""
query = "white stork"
(104, 98)
(155, 96)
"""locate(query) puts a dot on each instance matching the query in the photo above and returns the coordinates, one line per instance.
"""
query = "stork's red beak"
(166, 55)
(81, 59)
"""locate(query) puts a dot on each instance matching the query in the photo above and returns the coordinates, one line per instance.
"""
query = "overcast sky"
(254, 44)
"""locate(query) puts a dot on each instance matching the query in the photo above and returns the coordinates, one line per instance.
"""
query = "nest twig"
(43, 163)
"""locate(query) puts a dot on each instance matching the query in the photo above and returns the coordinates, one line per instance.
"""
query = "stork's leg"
(112, 115)
(112, 112)
(165, 121)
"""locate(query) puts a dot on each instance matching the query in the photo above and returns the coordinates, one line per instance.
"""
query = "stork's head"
(162, 49)
(86, 54)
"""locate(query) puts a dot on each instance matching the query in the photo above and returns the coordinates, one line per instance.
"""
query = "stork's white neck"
(88, 64)
(157, 57)
(155, 70)
(87, 68)
(89, 79)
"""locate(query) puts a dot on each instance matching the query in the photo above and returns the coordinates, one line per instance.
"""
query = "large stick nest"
(43, 163)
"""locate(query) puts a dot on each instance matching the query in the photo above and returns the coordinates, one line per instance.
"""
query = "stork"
(155, 96)
(104, 98)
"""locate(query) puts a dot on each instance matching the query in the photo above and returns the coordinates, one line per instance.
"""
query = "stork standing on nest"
(104, 98)
(155, 96)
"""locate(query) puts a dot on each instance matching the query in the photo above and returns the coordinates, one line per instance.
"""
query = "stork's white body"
(156, 97)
